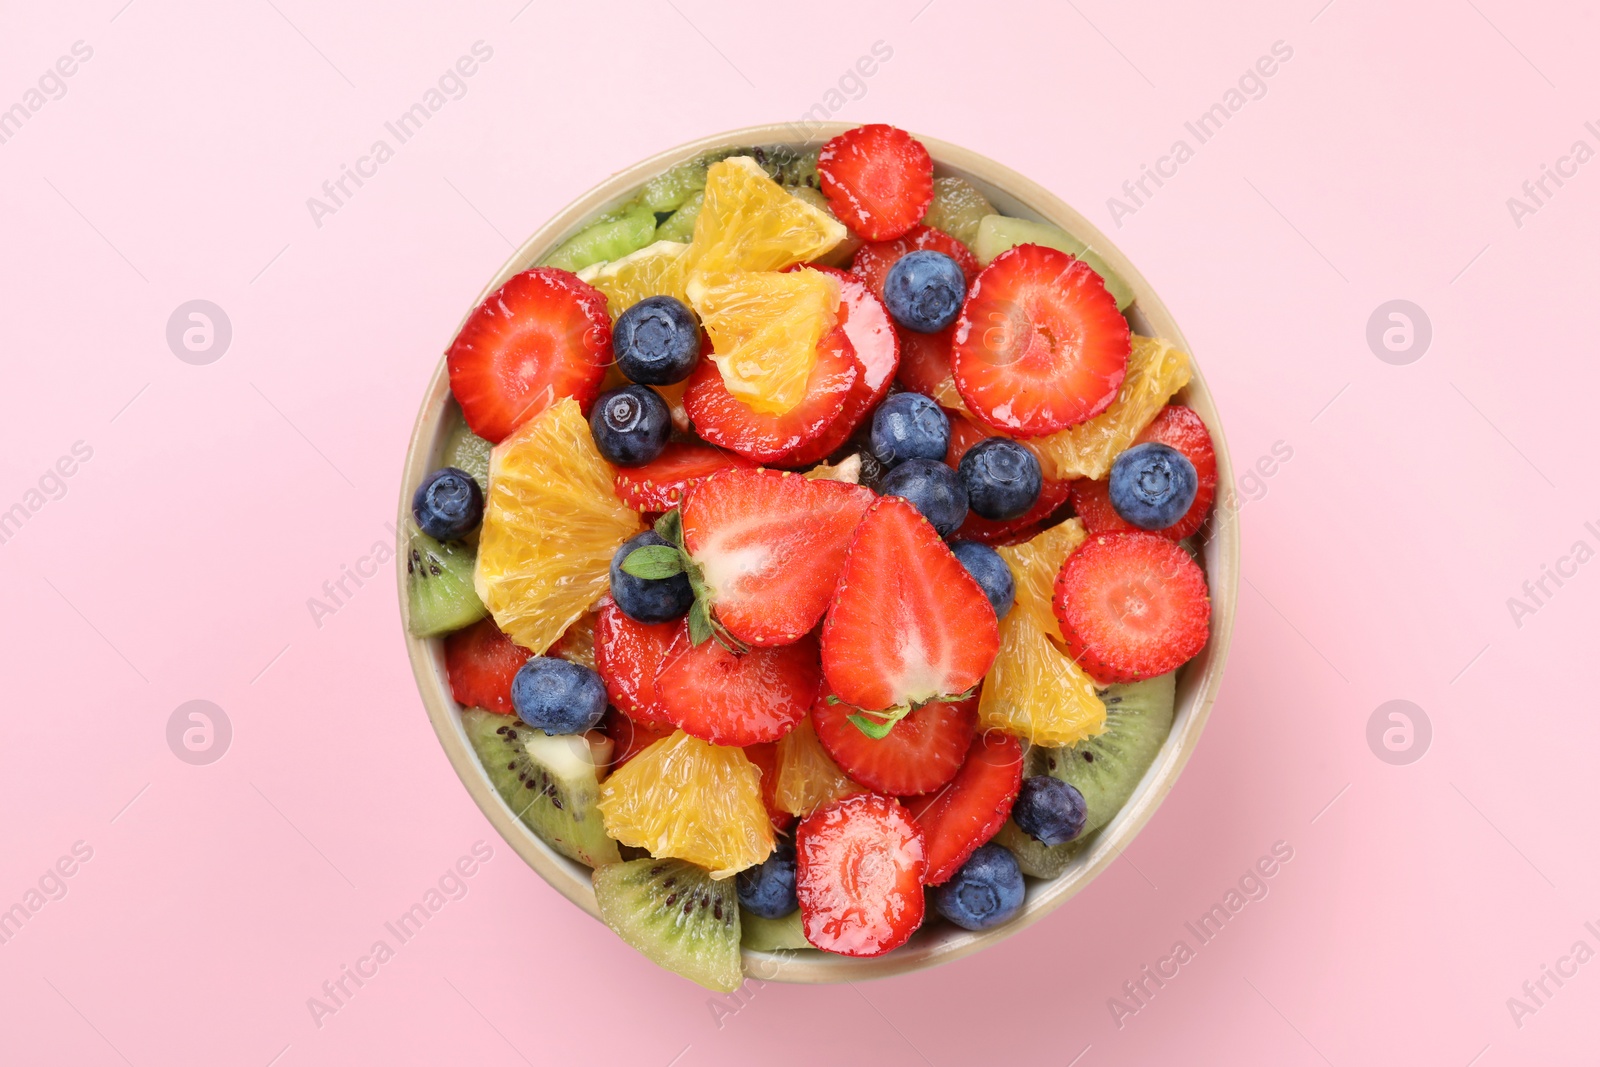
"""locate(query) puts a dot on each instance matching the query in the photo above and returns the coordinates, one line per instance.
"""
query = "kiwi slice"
(679, 226)
(1039, 860)
(439, 593)
(957, 209)
(788, 166)
(677, 915)
(549, 782)
(996, 233)
(772, 935)
(606, 240)
(1106, 769)
(467, 451)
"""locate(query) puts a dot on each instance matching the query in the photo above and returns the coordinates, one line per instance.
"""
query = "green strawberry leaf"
(653, 562)
(699, 623)
(881, 723)
(670, 528)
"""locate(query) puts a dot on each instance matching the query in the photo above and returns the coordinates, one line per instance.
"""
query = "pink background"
(219, 498)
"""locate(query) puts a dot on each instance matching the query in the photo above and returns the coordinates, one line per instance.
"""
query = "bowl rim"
(1198, 682)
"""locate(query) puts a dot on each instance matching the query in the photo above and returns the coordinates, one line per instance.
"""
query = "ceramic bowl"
(1014, 195)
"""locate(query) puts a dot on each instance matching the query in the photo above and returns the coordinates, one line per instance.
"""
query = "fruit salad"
(815, 552)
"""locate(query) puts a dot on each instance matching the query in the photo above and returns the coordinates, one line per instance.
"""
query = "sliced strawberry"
(872, 261)
(739, 700)
(770, 546)
(729, 423)
(878, 180)
(858, 873)
(907, 623)
(765, 757)
(921, 753)
(628, 655)
(964, 433)
(1132, 606)
(1181, 428)
(1091, 499)
(973, 807)
(630, 736)
(659, 484)
(1040, 344)
(873, 339)
(925, 360)
(480, 662)
(541, 336)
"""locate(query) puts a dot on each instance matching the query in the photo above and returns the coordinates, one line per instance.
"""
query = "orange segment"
(750, 222)
(1034, 690)
(764, 328)
(551, 524)
(807, 776)
(688, 799)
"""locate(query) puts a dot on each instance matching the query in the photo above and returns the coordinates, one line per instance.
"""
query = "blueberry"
(656, 341)
(767, 889)
(1049, 810)
(1002, 478)
(933, 489)
(992, 572)
(630, 425)
(909, 426)
(558, 696)
(648, 599)
(1152, 485)
(924, 290)
(448, 504)
(985, 892)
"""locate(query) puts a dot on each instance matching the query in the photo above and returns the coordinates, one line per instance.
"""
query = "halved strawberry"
(480, 662)
(921, 753)
(878, 180)
(1040, 344)
(873, 339)
(872, 261)
(659, 484)
(925, 360)
(770, 546)
(631, 736)
(1131, 606)
(1091, 499)
(541, 336)
(739, 700)
(907, 623)
(765, 757)
(858, 873)
(628, 655)
(728, 422)
(973, 807)
(964, 433)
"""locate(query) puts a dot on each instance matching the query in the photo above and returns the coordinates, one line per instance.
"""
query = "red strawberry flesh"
(876, 345)
(739, 700)
(972, 808)
(878, 180)
(628, 655)
(858, 875)
(1040, 344)
(729, 423)
(770, 546)
(659, 484)
(907, 624)
(480, 662)
(1132, 606)
(921, 753)
(541, 336)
